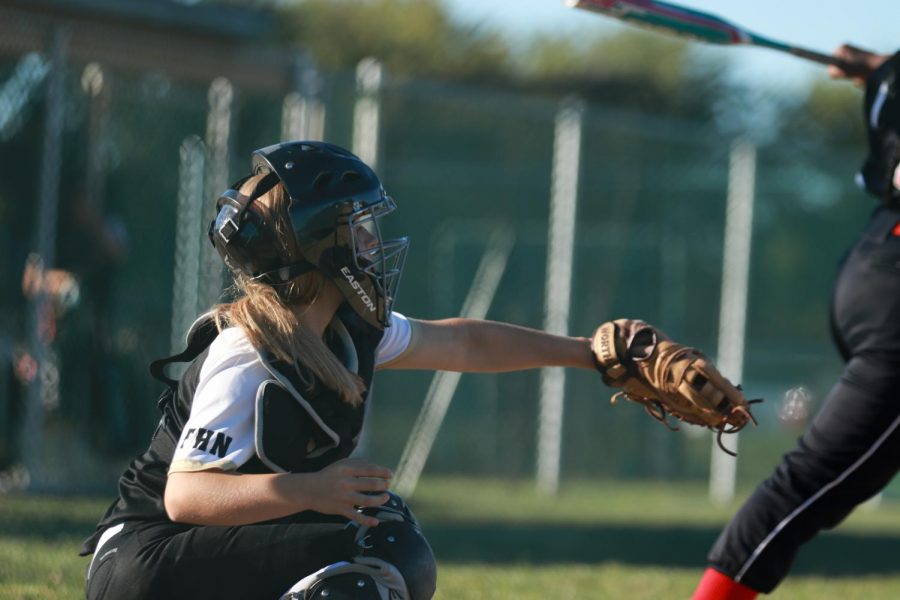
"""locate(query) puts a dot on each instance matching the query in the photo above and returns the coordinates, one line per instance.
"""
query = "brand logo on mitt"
(359, 290)
(605, 349)
(202, 438)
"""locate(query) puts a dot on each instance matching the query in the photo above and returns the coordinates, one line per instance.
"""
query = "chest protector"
(300, 425)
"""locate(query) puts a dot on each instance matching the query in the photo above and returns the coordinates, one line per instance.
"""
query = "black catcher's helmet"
(882, 111)
(336, 202)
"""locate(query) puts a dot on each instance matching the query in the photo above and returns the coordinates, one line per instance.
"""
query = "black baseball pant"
(851, 449)
(173, 561)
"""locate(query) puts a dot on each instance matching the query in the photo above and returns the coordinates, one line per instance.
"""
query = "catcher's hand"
(668, 378)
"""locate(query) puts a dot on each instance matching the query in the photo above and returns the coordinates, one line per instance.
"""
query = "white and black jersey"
(223, 427)
(238, 409)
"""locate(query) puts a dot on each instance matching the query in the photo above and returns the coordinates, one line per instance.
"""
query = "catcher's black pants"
(851, 449)
(173, 561)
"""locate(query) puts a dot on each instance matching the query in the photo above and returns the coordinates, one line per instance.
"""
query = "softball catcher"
(246, 489)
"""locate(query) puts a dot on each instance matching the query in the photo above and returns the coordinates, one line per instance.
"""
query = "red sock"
(718, 586)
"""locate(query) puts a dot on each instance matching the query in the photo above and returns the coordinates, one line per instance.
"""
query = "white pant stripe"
(109, 533)
(786, 521)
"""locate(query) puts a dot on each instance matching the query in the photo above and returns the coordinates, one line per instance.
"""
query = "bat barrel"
(697, 25)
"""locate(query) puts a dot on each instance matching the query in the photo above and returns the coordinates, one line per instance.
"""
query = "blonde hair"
(265, 311)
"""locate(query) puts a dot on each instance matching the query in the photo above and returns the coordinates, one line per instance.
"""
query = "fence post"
(366, 112)
(188, 238)
(558, 284)
(95, 85)
(43, 387)
(15, 93)
(733, 307)
(302, 112)
(218, 143)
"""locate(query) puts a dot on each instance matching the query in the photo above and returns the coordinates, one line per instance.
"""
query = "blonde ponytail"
(265, 312)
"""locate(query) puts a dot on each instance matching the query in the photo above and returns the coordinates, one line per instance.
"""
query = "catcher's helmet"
(336, 202)
(879, 174)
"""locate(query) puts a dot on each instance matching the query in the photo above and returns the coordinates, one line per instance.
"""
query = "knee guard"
(351, 581)
(394, 562)
(398, 541)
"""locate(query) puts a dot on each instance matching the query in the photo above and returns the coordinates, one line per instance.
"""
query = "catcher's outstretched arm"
(472, 345)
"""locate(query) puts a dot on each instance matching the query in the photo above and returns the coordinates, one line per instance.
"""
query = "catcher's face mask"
(381, 260)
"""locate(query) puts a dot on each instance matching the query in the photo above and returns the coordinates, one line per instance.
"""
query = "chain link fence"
(142, 153)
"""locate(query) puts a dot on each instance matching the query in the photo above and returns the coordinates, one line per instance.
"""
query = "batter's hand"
(351, 483)
(860, 63)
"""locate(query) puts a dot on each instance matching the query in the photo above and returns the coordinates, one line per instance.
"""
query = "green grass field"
(501, 540)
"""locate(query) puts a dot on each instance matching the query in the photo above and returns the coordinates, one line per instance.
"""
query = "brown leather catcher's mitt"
(668, 378)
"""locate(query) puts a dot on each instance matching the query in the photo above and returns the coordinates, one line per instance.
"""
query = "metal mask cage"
(382, 260)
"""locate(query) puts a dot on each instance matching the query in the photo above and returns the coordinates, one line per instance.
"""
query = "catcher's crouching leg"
(394, 562)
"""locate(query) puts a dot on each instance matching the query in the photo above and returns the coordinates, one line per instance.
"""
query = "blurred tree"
(807, 210)
(636, 69)
(411, 37)
(419, 38)
(830, 114)
(628, 53)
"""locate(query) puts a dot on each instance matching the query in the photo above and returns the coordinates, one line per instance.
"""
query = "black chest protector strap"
(200, 336)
